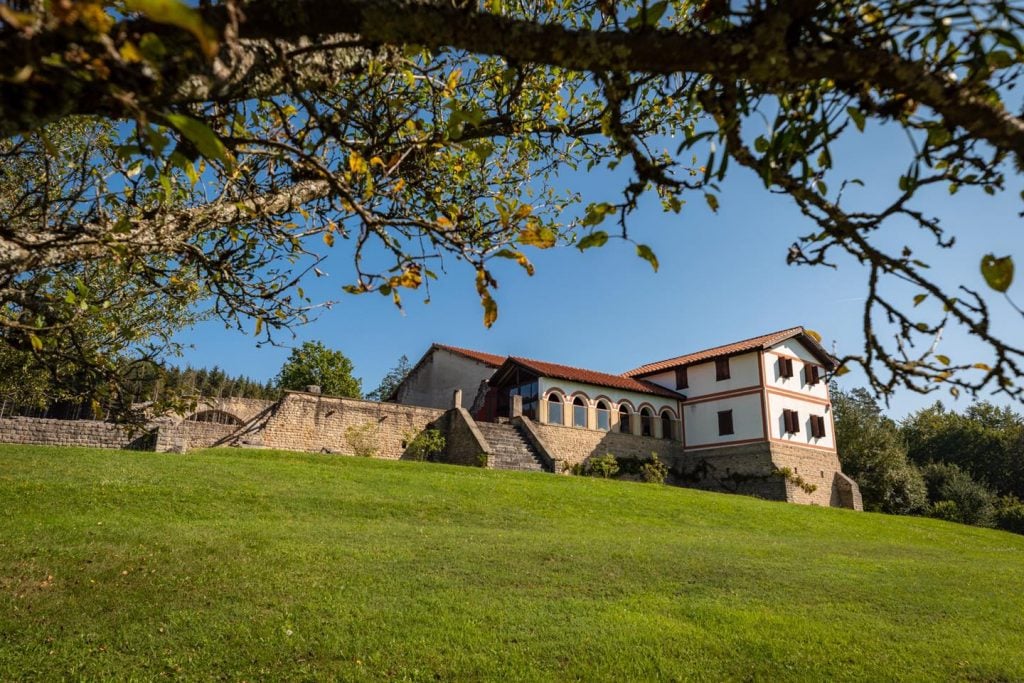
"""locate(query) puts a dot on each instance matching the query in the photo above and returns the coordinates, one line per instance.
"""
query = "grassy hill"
(257, 565)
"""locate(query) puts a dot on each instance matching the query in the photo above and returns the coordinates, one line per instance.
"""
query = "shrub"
(975, 504)
(1010, 514)
(603, 466)
(362, 439)
(426, 445)
(654, 471)
(944, 509)
(481, 459)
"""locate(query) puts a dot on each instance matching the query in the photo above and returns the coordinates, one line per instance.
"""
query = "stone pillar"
(517, 406)
(457, 398)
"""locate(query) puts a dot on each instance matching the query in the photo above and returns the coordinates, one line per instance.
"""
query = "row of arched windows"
(579, 414)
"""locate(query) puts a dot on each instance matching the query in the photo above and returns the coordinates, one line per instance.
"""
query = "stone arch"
(216, 416)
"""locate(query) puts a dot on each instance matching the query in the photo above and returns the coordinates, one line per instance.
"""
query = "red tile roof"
(601, 379)
(762, 342)
(491, 359)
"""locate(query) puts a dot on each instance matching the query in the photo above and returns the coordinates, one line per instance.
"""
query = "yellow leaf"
(37, 343)
(452, 83)
(813, 335)
(177, 13)
(537, 235)
(329, 239)
(357, 163)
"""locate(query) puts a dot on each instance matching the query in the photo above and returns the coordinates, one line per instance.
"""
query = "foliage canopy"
(254, 134)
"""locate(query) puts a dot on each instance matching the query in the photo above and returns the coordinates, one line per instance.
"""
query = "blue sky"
(723, 277)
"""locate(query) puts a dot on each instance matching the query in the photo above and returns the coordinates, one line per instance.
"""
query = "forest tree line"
(965, 467)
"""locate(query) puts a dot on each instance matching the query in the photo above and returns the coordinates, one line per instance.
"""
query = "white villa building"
(731, 413)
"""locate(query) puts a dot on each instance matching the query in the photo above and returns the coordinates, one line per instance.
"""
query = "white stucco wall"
(804, 408)
(798, 382)
(434, 381)
(701, 377)
(701, 420)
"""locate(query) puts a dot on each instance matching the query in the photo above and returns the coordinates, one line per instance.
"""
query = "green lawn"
(257, 565)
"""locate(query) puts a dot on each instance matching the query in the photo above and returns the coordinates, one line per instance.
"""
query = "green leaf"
(596, 213)
(919, 298)
(942, 359)
(998, 272)
(858, 117)
(177, 13)
(202, 136)
(644, 252)
(594, 239)
(712, 201)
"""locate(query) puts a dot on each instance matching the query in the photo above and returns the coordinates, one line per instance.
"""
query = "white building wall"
(701, 420)
(701, 377)
(805, 408)
(434, 381)
(798, 382)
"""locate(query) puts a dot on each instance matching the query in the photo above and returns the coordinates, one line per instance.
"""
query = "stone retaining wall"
(573, 446)
(302, 421)
(89, 433)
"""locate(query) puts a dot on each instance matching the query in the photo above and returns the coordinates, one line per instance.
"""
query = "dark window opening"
(666, 424)
(724, 422)
(791, 420)
(812, 374)
(646, 422)
(785, 367)
(682, 381)
(722, 369)
(625, 417)
(817, 426)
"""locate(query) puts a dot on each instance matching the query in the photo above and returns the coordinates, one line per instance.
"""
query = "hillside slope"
(259, 565)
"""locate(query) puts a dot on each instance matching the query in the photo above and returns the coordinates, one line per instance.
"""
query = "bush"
(481, 460)
(945, 509)
(1010, 514)
(975, 504)
(654, 471)
(426, 445)
(603, 466)
(362, 439)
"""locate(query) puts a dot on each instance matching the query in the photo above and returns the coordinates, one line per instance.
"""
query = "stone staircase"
(510, 449)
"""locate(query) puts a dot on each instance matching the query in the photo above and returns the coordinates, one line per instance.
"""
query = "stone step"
(510, 449)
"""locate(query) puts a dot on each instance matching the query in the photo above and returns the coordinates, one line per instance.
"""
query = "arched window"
(646, 421)
(625, 420)
(554, 409)
(666, 424)
(579, 412)
(604, 416)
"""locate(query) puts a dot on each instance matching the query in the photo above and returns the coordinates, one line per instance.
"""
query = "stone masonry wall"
(572, 445)
(188, 435)
(89, 433)
(746, 469)
(815, 467)
(315, 423)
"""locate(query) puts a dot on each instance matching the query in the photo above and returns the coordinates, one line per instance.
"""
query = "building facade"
(753, 416)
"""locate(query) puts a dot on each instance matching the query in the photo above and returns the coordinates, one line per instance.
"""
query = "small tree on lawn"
(314, 363)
